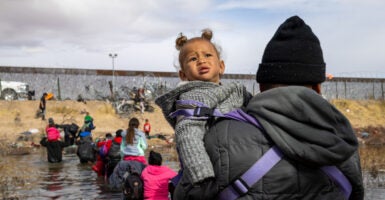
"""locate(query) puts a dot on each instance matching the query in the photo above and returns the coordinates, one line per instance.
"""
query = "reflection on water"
(32, 177)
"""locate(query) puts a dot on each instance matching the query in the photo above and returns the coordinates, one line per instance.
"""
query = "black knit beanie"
(50, 121)
(155, 158)
(293, 56)
(118, 133)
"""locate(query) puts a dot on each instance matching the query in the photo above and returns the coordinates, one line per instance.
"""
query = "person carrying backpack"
(293, 121)
(54, 149)
(86, 150)
(126, 177)
(113, 155)
(156, 178)
(103, 147)
(53, 134)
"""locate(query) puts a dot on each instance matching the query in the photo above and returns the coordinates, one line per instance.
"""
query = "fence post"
(382, 89)
(58, 89)
(336, 89)
(253, 89)
(374, 97)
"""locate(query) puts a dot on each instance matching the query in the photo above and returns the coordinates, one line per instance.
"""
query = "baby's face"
(200, 62)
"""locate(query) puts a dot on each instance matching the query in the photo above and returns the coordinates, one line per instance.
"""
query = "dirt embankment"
(365, 116)
(19, 116)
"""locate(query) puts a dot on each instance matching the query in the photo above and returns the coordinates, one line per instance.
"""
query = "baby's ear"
(182, 75)
(222, 67)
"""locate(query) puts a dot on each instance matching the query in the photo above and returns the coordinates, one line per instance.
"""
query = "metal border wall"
(92, 84)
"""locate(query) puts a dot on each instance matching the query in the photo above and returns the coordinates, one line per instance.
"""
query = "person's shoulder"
(168, 170)
(139, 132)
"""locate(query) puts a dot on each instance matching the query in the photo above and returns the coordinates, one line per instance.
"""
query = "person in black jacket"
(42, 105)
(294, 118)
(70, 131)
(54, 149)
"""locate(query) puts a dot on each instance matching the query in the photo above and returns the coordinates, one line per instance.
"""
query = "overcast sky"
(81, 33)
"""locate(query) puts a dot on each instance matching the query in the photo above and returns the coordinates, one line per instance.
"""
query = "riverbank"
(367, 118)
(17, 117)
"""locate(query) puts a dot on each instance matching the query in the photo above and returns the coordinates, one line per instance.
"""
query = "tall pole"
(113, 56)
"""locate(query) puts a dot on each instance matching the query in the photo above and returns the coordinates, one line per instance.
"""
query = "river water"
(34, 178)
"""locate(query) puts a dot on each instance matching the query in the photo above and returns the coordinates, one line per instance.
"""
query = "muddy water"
(32, 177)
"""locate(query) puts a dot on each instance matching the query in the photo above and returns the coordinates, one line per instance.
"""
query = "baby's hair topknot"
(180, 41)
(207, 34)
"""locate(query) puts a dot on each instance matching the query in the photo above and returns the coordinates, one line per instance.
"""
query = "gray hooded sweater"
(189, 133)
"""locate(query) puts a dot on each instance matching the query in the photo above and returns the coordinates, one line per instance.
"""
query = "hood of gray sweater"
(305, 126)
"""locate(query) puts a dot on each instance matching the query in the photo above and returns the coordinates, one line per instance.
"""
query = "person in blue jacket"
(86, 147)
(88, 126)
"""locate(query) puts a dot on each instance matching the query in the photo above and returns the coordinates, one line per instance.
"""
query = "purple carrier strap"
(252, 175)
(339, 178)
(241, 186)
(240, 115)
(202, 111)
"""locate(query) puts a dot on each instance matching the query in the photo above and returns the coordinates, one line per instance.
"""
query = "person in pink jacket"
(156, 177)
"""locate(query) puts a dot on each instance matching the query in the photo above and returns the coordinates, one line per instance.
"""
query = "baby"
(201, 68)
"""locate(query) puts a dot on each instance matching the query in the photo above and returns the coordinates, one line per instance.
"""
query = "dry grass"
(19, 116)
(372, 159)
(362, 113)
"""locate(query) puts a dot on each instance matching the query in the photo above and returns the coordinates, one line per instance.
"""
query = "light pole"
(113, 56)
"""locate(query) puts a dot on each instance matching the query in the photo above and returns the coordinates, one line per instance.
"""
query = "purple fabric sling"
(252, 175)
(240, 186)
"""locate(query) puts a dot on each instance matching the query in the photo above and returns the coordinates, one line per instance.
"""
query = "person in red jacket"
(113, 155)
(156, 178)
(147, 128)
(103, 146)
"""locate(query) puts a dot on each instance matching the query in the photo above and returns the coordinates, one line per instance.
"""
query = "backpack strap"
(125, 175)
(241, 185)
(190, 109)
(339, 178)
